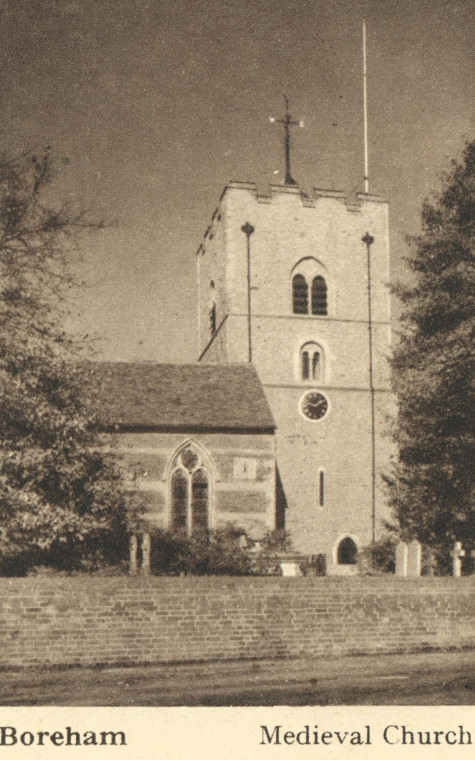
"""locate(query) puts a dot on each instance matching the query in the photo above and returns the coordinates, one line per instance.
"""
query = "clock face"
(314, 405)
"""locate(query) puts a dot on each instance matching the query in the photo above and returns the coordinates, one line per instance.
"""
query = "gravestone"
(457, 554)
(290, 568)
(414, 559)
(145, 554)
(401, 559)
(133, 555)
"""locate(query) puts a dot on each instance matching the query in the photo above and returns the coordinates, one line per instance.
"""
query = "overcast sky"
(151, 106)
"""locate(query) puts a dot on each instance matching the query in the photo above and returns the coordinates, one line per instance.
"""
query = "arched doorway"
(347, 552)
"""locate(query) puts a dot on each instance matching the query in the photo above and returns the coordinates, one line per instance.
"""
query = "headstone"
(290, 568)
(401, 559)
(133, 555)
(414, 559)
(457, 554)
(145, 554)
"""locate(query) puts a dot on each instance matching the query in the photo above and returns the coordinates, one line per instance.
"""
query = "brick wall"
(64, 621)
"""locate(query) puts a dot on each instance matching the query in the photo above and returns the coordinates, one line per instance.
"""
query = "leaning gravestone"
(414, 559)
(401, 559)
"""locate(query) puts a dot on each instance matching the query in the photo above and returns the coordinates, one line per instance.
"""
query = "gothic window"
(299, 294)
(189, 492)
(347, 551)
(311, 362)
(319, 296)
(212, 320)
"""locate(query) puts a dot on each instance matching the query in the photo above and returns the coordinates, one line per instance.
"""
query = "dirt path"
(437, 678)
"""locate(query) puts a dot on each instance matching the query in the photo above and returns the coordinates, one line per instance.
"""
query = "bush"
(378, 557)
(209, 553)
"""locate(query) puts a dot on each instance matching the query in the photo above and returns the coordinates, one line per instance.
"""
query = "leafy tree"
(61, 500)
(433, 495)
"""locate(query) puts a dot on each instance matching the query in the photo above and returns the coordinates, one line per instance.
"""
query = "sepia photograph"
(237, 299)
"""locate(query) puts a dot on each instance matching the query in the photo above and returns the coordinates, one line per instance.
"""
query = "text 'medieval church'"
(282, 422)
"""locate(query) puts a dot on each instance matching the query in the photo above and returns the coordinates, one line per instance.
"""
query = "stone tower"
(297, 285)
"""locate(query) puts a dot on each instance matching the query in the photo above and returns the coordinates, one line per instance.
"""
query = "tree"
(61, 500)
(433, 365)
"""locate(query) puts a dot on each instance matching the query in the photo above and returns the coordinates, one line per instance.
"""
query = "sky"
(151, 106)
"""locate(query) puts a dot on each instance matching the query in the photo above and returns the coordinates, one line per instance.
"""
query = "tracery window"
(189, 491)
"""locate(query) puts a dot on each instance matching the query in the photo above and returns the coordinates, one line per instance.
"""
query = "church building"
(282, 422)
(297, 286)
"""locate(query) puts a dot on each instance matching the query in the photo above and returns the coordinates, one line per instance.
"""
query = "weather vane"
(288, 122)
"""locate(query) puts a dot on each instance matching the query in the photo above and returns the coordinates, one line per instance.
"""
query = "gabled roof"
(182, 396)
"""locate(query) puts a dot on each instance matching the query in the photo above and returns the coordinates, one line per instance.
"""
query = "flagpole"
(365, 112)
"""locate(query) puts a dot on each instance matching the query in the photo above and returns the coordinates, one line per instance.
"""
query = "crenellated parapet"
(269, 194)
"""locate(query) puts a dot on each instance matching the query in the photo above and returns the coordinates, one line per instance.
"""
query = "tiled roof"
(148, 395)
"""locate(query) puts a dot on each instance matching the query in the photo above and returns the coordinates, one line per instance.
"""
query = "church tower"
(297, 285)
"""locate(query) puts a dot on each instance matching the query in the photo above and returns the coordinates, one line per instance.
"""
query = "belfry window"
(319, 296)
(189, 492)
(311, 362)
(299, 294)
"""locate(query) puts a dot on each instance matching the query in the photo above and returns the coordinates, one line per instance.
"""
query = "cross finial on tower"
(288, 122)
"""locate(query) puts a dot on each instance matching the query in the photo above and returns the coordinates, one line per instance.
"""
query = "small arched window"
(319, 296)
(347, 552)
(311, 362)
(299, 294)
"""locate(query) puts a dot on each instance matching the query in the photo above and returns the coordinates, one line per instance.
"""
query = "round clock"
(314, 405)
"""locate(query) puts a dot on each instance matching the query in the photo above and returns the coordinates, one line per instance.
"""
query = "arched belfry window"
(311, 362)
(299, 294)
(319, 296)
(310, 289)
(189, 491)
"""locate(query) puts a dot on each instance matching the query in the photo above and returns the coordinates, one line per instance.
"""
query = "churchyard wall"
(97, 620)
